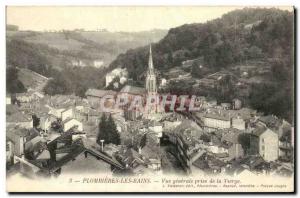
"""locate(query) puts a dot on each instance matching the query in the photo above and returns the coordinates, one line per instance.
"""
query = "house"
(70, 123)
(256, 164)
(68, 113)
(118, 72)
(156, 127)
(225, 106)
(24, 97)
(129, 91)
(238, 123)
(98, 63)
(265, 142)
(18, 136)
(46, 121)
(216, 121)
(236, 104)
(94, 96)
(217, 148)
(57, 112)
(34, 147)
(235, 149)
(9, 151)
(16, 117)
(163, 82)
(208, 164)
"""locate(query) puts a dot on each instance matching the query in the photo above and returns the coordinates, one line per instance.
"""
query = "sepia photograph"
(150, 99)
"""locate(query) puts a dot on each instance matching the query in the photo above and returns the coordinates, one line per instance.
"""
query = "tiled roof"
(270, 121)
(14, 115)
(44, 155)
(69, 119)
(259, 130)
(133, 90)
(232, 136)
(99, 93)
(217, 116)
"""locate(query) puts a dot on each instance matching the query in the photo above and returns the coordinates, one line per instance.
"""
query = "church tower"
(151, 86)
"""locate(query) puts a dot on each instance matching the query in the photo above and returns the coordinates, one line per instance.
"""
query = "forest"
(236, 38)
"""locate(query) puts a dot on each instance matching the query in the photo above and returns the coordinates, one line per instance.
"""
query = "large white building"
(216, 121)
(72, 122)
(118, 72)
(265, 142)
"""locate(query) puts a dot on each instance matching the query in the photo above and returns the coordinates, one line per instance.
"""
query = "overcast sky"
(111, 18)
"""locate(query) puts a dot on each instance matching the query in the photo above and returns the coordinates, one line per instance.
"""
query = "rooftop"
(14, 115)
(217, 116)
(99, 93)
(133, 90)
(259, 130)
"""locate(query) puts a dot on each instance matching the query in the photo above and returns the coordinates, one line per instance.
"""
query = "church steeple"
(151, 77)
(150, 62)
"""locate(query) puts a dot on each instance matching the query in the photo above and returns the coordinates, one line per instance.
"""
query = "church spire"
(151, 77)
(150, 62)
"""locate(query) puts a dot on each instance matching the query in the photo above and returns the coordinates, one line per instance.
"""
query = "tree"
(108, 131)
(102, 135)
(113, 134)
(36, 121)
(143, 141)
(244, 139)
(13, 84)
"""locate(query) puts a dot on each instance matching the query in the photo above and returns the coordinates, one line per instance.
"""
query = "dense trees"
(221, 42)
(75, 80)
(65, 80)
(238, 37)
(244, 139)
(108, 131)
(13, 84)
(23, 54)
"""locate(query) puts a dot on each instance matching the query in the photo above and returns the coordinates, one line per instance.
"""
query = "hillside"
(32, 80)
(241, 39)
(75, 60)
(92, 48)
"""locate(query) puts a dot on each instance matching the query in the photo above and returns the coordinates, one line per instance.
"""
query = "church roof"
(133, 90)
(99, 93)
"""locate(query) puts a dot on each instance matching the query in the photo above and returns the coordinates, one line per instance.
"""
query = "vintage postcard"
(150, 99)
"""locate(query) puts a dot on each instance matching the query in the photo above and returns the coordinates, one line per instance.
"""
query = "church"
(152, 108)
(151, 97)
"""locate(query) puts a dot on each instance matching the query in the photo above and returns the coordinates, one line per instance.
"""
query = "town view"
(209, 98)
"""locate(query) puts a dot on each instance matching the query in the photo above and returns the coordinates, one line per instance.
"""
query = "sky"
(129, 19)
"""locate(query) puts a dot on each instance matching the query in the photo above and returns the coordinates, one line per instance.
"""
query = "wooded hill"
(238, 37)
